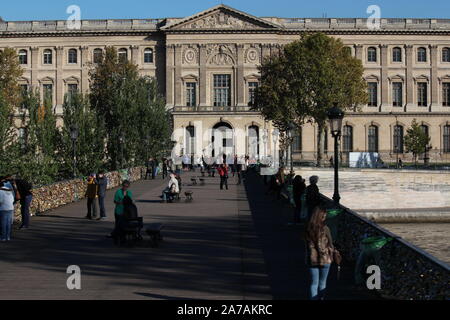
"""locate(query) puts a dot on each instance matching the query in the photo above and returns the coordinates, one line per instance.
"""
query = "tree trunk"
(320, 145)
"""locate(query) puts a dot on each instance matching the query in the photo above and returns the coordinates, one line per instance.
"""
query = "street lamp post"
(74, 136)
(335, 116)
(290, 135)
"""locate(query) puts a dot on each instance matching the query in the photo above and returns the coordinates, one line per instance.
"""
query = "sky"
(145, 9)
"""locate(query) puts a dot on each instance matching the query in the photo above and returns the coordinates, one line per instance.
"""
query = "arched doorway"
(222, 142)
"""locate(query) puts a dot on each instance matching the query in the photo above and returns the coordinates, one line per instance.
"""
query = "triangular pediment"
(221, 17)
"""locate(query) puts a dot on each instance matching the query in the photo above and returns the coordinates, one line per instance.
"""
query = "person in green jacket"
(118, 200)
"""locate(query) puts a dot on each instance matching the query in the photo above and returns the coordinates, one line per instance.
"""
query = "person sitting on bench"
(172, 190)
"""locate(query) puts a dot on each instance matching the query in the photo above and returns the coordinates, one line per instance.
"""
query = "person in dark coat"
(299, 187)
(102, 183)
(26, 196)
(312, 195)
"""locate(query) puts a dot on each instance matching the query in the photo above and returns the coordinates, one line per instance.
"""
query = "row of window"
(47, 90)
(397, 54)
(221, 91)
(372, 139)
(397, 94)
(72, 56)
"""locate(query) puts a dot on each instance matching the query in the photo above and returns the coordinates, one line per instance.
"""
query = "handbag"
(337, 258)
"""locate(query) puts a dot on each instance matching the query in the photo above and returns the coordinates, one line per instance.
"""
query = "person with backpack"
(119, 209)
(102, 182)
(24, 188)
(320, 253)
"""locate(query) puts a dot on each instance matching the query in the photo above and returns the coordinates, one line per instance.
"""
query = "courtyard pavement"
(233, 244)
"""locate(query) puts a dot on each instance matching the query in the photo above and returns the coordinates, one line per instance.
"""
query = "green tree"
(131, 110)
(10, 72)
(90, 143)
(416, 140)
(306, 79)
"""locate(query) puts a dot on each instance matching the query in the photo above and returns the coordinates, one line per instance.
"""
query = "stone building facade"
(207, 68)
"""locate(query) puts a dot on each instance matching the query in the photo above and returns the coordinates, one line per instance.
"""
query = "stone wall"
(61, 193)
(378, 189)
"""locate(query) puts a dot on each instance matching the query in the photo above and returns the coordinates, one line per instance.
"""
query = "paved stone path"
(225, 245)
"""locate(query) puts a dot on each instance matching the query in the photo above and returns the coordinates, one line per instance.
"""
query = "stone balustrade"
(64, 192)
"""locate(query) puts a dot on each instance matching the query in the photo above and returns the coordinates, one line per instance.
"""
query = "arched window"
(48, 56)
(73, 56)
(372, 54)
(190, 140)
(397, 54)
(253, 142)
(422, 54)
(297, 143)
(373, 138)
(123, 55)
(148, 55)
(446, 138)
(98, 55)
(23, 57)
(398, 139)
(446, 55)
(347, 135)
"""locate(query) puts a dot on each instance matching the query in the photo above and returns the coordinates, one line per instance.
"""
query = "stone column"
(202, 85)
(178, 82)
(135, 56)
(434, 82)
(409, 77)
(359, 51)
(240, 85)
(34, 67)
(84, 69)
(170, 69)
(59, 81)
(384, 78)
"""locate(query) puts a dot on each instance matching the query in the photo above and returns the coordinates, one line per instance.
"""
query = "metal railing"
(212, 109)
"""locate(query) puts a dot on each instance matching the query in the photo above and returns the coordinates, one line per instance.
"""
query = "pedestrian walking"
(319, 253)
(239, 173)
(24, 188)
(102, 182)
(164, 168)
(299, 188)
(223, 173)
(235, 164)
(312, 195)
(149, 165)
(6, 210)
(91, 195)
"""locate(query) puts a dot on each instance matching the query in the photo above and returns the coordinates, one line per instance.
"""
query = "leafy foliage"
(416, 140)
(306, 79)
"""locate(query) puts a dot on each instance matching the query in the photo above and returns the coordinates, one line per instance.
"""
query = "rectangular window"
(24, 92)
(422, 98)
(222, 90)
(252, 86)
(397, 94)
(48, 92)
(446, 94)
(348, 139)
(373, 139)
(398, 139)
(72, 89)
(297, 143)
(446, 139)
(191, 94)
(373, 94)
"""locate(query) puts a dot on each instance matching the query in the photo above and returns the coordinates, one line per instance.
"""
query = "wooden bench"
(154, 232)
(188, 195)
(194, 181)
(202, 181)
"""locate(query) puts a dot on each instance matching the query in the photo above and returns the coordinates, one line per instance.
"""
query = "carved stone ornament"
(190, 56)
(221, 59)
(220, 20)
(252, 56)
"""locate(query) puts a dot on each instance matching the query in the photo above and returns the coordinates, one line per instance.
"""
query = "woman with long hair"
(320, 249)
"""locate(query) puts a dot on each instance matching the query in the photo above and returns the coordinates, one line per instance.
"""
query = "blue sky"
(139, 9)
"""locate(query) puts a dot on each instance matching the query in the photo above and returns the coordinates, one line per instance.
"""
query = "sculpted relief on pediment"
(220, 20)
